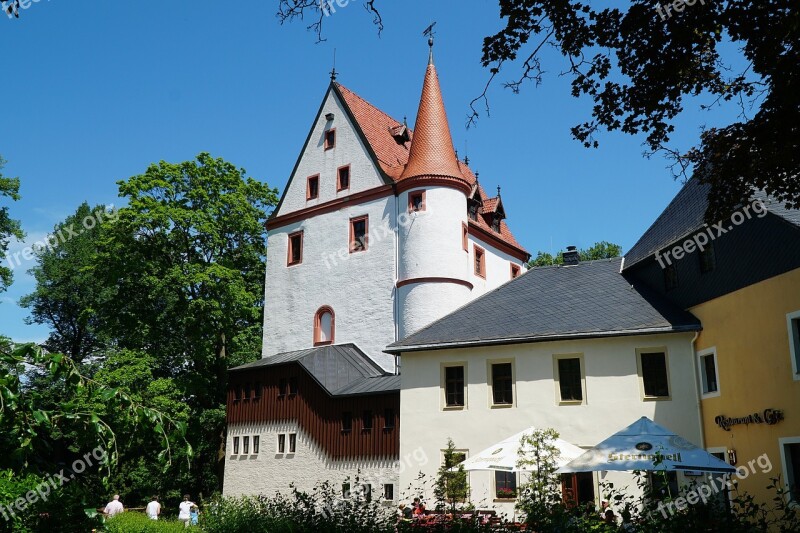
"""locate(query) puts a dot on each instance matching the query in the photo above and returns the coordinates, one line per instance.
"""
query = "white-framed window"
(793, 323)
(292, 442)
(235, 445)
(790, 458)
(281, 447)
(256, 444)
(502, 388)
(388, 492)
(246, 445)
(505, 485)
(653, 367)
(709, 372)
(454, 385)
(570, 379)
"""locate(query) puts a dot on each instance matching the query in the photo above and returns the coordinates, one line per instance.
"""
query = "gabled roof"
(685, 215)
(340, 369)
(588, 300)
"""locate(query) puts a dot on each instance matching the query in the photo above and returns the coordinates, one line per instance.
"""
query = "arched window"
(324, 326)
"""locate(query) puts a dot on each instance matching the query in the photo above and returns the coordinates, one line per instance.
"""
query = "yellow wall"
(749, 330)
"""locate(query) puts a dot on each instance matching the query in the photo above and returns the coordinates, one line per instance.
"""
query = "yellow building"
(741, 278)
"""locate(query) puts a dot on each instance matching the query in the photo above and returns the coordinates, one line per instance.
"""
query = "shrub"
(132, 522)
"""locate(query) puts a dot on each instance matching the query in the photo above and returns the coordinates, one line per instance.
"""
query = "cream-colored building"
(575, 348)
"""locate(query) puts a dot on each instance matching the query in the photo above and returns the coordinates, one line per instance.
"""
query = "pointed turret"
(432, 154)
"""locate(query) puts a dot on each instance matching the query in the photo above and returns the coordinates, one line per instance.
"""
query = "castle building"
(380, 230)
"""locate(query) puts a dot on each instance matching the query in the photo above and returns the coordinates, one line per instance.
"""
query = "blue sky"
(95, 91)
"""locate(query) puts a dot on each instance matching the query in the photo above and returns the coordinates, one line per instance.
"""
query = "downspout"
(396, 276)
(697, 390)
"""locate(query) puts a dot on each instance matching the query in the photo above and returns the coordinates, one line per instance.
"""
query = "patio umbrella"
(505, 454)
(636, 448)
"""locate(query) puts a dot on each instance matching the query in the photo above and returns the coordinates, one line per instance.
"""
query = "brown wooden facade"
(316, 411)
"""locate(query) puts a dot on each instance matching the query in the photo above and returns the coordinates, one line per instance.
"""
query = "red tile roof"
(393, 157)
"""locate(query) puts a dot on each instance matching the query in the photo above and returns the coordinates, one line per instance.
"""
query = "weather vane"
(429, 32)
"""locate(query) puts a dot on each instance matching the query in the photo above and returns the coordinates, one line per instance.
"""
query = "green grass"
(133, 522)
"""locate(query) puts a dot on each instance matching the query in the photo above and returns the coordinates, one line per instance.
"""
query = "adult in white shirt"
(185, 511)
(114, 507)
(153, 509)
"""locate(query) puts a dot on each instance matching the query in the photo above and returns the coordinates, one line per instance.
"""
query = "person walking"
(114, 507)
(185, 511)
(153, 509)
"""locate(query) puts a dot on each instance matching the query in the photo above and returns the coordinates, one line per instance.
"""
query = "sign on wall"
(769, 417)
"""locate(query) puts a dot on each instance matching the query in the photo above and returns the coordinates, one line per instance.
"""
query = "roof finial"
(498, 191)
(333, 71)
(477, 176)
(429, 32)
(466, 160)
(405, 123)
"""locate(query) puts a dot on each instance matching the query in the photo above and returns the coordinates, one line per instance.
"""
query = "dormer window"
(330, 138)
(472, 210)
(496, 224)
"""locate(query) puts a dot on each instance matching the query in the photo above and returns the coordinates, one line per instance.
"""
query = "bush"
(133, 522)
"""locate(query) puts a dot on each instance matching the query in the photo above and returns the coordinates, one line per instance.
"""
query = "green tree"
(67, 292)
(9, 228)
(538, 455)
(641, 61)
(599, 250)
(451, 487)
(182, 275)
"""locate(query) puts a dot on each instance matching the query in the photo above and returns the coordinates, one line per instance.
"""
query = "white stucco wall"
(349, 150)
(357, 286)
(613, 399)
(269, 472)
(498, 267)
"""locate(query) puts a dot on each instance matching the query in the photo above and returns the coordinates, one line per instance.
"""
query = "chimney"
(571, 256)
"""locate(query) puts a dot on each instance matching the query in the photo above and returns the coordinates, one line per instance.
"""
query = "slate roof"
(340, 369)
(684, 215)
(591, 299)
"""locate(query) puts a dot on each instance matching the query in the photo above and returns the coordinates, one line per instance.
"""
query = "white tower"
(433, 268)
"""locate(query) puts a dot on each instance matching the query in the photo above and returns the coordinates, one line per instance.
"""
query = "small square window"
(292, 442)
(708, 372)
(330, 138)
(246, 391)
(347, 422)
(388, 492)
(515, 270)
(480, 261)
(245, 445)
(416, 201)
(343, 178)
(293, 386)
(366, 420)
(282, 443)
(388, 418)
(454, 386)
(359, 236)
(312, 187)
(655, 380)
(707, 258)
(505, 485)
(670, 277)
(295, 255)
(256, 443)
(235, 445)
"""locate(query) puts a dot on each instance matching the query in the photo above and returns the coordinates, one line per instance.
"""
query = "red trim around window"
(365, 246)
(411, 196)
(515, 270)
(480, 261)
(308, 187)
(330, 138)
(317, 326)
(290, 248)
(465, 237)
(339, 178)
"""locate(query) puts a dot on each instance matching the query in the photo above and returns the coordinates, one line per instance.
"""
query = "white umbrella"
(505, 454)
(637, 447)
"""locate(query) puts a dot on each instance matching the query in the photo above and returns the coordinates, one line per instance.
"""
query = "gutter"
(546, 338)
